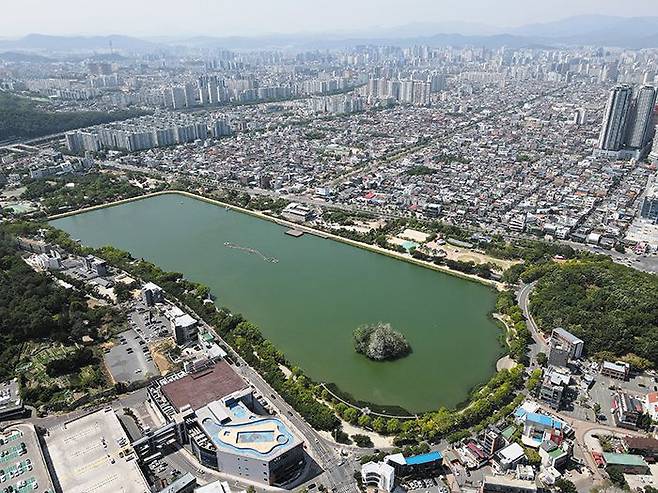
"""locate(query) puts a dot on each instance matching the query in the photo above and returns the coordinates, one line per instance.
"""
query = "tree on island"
(380, 342)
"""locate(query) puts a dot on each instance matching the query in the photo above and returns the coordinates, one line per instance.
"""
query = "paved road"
(523, 297)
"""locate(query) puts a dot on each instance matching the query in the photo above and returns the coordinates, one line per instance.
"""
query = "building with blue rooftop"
(417, 466)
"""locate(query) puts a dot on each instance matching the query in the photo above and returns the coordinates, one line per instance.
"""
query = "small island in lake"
(380, 342)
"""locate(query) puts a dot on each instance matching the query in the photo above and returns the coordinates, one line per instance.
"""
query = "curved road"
(523, 297)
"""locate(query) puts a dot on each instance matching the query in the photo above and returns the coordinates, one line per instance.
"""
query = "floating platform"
(295, 233)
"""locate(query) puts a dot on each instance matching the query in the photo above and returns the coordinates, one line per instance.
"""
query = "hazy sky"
(248, 17)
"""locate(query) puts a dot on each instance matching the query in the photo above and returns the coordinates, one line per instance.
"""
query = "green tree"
(364, 421)
(379, 424)
(393, 426)
(351, 415)
(362, 441)
(565, 486)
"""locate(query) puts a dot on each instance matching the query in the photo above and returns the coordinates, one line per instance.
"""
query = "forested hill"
(613, 308)
(22, 118)
(34, 307)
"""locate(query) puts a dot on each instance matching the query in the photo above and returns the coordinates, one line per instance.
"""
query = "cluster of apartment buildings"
(146, 133)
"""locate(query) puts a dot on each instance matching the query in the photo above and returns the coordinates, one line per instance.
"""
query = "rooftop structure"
(183, 484)
(633, 464)
(216, 487)
(11, 403)
(93, 454)
(203, 387)
(505, 484)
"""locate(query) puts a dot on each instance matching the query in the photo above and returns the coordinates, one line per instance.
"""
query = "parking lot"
(426, 485)
(129, 360)
(22, 466)
(602, 392)
(149, 323)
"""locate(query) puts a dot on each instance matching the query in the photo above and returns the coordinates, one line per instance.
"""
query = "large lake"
(310, 301)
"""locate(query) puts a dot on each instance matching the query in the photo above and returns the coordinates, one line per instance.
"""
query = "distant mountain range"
(44, 42)
(597, 30)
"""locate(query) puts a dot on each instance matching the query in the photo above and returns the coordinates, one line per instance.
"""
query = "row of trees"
(518, 337)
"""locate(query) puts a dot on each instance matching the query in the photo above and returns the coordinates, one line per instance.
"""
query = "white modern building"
(379, 475)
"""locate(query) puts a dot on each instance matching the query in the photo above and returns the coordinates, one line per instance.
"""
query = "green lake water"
(310, 301)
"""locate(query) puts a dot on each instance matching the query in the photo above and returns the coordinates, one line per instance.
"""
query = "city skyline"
(202, 17)
(329, 246)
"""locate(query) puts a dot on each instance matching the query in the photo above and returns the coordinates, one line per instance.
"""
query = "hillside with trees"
(22, 118)
(33, 308)
(613, 308)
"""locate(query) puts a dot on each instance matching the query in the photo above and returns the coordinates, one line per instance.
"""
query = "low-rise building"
(297, 213)
(626, 410)
(506, 484)
(651, 403)
(379, 475)
(152, 294)
(618, 369)
(553, 386)
(509, 457)
(627, 463)
(11, 404)
(185, 328)
(646, 447)
(93, 453)
(417, 466)
(493, 440)
(538, 428)
(553, 455)
(213, 412)
(48, 261)
(476, 457)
